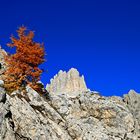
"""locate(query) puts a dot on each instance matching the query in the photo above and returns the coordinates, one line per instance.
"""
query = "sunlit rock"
(65, 82)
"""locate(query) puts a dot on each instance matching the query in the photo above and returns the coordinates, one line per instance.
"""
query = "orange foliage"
(23, 65)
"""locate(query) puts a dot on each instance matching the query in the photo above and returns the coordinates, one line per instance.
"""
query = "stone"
(1, 82)
(2, 95)
(72, 113)
(67, 82)
(2, 62)
(132, 99)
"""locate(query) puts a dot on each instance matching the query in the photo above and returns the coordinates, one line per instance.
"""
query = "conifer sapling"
(23, 66)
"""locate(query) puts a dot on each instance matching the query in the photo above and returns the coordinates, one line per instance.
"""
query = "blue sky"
(100, 38)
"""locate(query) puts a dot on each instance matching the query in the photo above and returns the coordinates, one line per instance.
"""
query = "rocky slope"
(72, 112)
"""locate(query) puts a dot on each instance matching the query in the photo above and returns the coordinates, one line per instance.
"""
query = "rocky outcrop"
(79, 115)
(67, 82)
(2, 62)
(132, 100)
(70, 112)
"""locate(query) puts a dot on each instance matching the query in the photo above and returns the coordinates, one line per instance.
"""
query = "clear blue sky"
(101, 38)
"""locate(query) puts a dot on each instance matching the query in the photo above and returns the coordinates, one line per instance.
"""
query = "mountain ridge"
(70, 112)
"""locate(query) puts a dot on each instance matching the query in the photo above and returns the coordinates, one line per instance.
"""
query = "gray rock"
(1, 82)
(73, 113)
(2, 63)
(2, 95)
(6, 122)
(132, 99)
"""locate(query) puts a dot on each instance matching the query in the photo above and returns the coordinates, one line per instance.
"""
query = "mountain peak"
(64, 82)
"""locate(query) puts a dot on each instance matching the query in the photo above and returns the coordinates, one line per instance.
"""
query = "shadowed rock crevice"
(20, 137)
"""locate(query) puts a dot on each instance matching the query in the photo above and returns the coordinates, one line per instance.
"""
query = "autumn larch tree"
(23, 65)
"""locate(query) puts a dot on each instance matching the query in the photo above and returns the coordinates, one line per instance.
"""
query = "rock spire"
(2, 62)
(67, 82)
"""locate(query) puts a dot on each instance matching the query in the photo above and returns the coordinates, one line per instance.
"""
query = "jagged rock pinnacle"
(2, 62)
(67, 82)
(78, 115)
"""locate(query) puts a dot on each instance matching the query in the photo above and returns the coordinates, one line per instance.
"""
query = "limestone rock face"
(67, 82)
(133, 102)
(76, 116)
(70, 112)
(2, 62)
